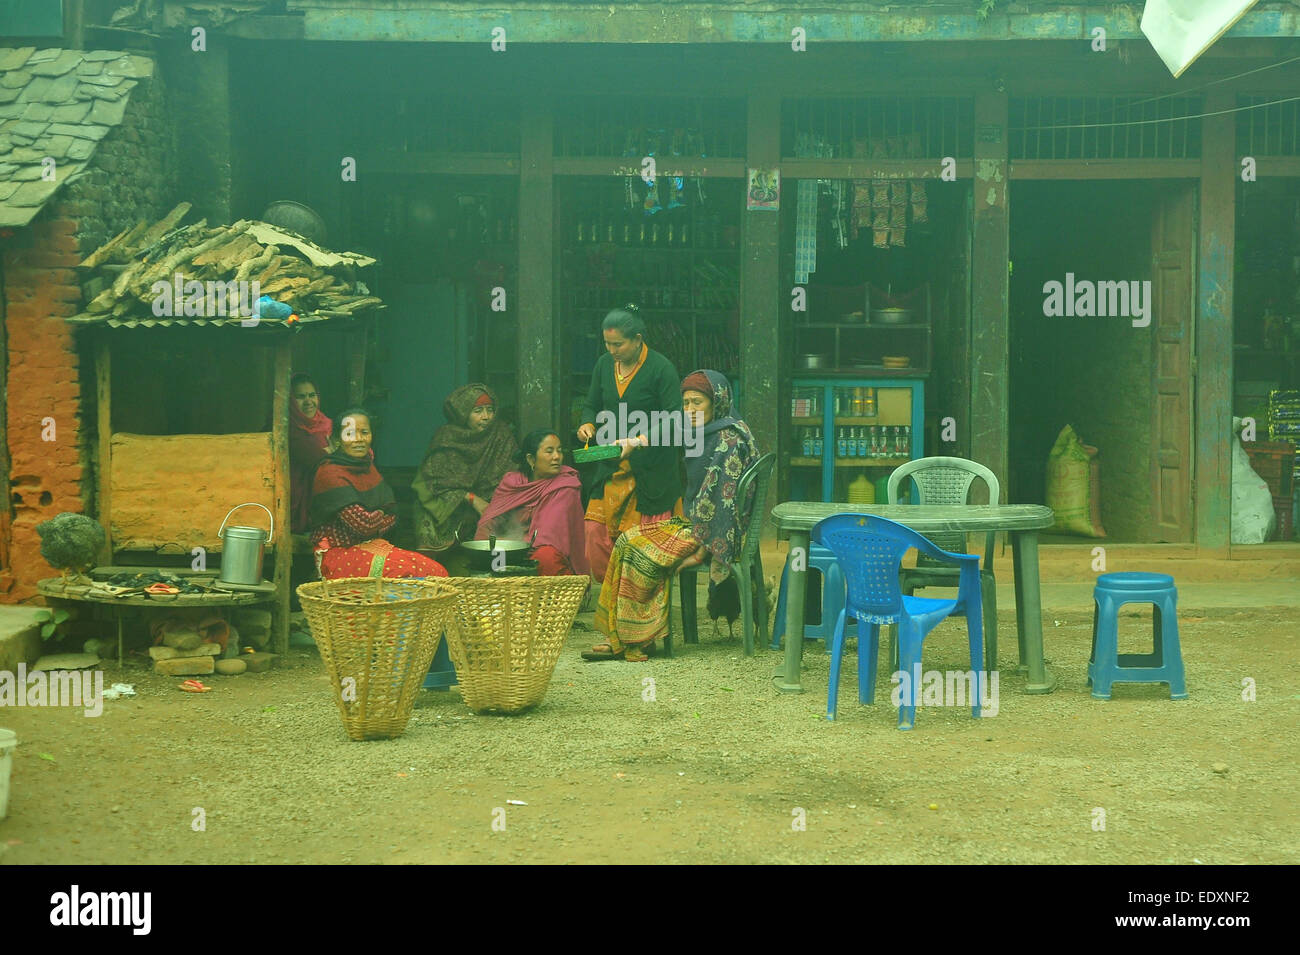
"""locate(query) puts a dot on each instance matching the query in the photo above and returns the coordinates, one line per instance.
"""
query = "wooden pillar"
(104, 427)
(990, 366)
(358, 341)
(537, 367)
(283, 546)
(1212, 467)
(761, 361)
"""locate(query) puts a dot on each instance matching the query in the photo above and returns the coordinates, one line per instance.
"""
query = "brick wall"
(51, 388)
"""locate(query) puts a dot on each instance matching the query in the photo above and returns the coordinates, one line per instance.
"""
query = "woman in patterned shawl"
(633, 608)
(466, 461)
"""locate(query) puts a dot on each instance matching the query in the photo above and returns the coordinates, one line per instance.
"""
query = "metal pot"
(243, 548)
(814, 362)
(482, 553)
(891, 316)
(296, 217)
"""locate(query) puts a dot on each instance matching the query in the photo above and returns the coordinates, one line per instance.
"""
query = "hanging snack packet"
(881, 240)
(898, 237)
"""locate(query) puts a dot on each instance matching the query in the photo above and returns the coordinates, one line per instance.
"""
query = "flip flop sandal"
(606, 654)
(194, 686)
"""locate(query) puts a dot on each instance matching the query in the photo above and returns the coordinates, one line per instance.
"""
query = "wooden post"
(104, 412)
(357, 341)
(761, 362)
(535, 301)
(283, 546)
(1212, 466)
(990, 365)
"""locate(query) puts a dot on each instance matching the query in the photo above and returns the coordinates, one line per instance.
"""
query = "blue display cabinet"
(867, 427)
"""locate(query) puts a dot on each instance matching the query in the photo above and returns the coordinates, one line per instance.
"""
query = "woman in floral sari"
(633, 607)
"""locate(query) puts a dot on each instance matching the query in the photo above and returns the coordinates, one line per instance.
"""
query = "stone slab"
(67, 661)
(260, 662)
(171, 653)
(184, 666)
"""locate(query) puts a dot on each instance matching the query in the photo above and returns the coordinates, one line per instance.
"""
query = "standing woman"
(309, 441)
(466, 460)
(541, 502)
(352, 509)
(645, 484)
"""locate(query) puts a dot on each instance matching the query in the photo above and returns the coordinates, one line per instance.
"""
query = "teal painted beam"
(703, 24)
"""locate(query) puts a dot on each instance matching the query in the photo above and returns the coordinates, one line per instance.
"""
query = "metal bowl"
(296, 217)
(891, 316)
(814, 362)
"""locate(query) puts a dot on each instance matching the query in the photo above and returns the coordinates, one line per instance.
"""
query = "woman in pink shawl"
(309, 441)
(543, 497)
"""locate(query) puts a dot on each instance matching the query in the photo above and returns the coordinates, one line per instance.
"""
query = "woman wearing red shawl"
(542, 498)
(352, 508)
(309, 441)
(466, 460)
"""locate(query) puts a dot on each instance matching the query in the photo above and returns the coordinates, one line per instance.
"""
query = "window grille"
(1268, 130)
(606, 126)
(1117, 127)
(879, 127)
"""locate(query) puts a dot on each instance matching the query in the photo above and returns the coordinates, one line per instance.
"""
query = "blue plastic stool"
(833, 595)
(441, 675)
(1106, 665)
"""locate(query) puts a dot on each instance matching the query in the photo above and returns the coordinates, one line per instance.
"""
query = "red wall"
(40, 290)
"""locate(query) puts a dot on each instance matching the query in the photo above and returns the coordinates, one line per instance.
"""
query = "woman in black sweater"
(645, 484)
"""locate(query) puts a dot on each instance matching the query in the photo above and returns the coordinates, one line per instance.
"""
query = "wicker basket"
(381, 634)
(505, 636)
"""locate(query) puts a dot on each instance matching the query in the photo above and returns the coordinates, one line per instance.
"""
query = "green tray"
(599, 453)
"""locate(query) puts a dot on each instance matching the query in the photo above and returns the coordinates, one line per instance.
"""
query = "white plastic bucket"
(8, 740)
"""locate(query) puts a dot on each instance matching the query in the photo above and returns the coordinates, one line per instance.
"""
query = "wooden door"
(1173, 273)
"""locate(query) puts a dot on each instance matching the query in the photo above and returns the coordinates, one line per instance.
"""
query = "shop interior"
(1093, 373)
(883, 266)
(672, 247)
(1266, 336)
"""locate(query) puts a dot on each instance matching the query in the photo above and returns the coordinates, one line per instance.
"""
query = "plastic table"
(794, 521)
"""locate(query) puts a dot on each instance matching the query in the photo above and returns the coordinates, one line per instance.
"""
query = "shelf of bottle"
(848, 419)
(802, 462)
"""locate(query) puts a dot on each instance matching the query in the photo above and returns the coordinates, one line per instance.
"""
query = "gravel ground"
(718, 767)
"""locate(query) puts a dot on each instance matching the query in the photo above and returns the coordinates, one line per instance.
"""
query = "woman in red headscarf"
(352, 508)
(541, 502)
(466, 460)
(309, 441)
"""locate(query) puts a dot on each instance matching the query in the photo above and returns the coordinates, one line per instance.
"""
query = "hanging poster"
(764, 189)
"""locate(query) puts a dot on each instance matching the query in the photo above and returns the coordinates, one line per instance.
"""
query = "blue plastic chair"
(832, 598)
(1106, 665)
(870, 552)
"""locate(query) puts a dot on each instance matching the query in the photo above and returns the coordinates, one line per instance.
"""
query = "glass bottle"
(841, 443)
(817, 442)
(869, 403)
(806, 445)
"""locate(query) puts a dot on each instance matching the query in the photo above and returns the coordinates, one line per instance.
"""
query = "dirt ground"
(714, 770)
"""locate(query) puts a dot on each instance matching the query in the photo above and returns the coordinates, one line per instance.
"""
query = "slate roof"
(57, 103)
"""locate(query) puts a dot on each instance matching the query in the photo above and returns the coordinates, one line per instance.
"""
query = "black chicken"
(724, 601)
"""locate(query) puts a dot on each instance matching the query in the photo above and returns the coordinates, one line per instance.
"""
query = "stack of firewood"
(286, 267)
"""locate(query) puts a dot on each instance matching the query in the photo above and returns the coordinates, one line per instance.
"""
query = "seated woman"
(466, 460)
(633, 608)
(352, 508)
(543, 498)
(309, 441)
